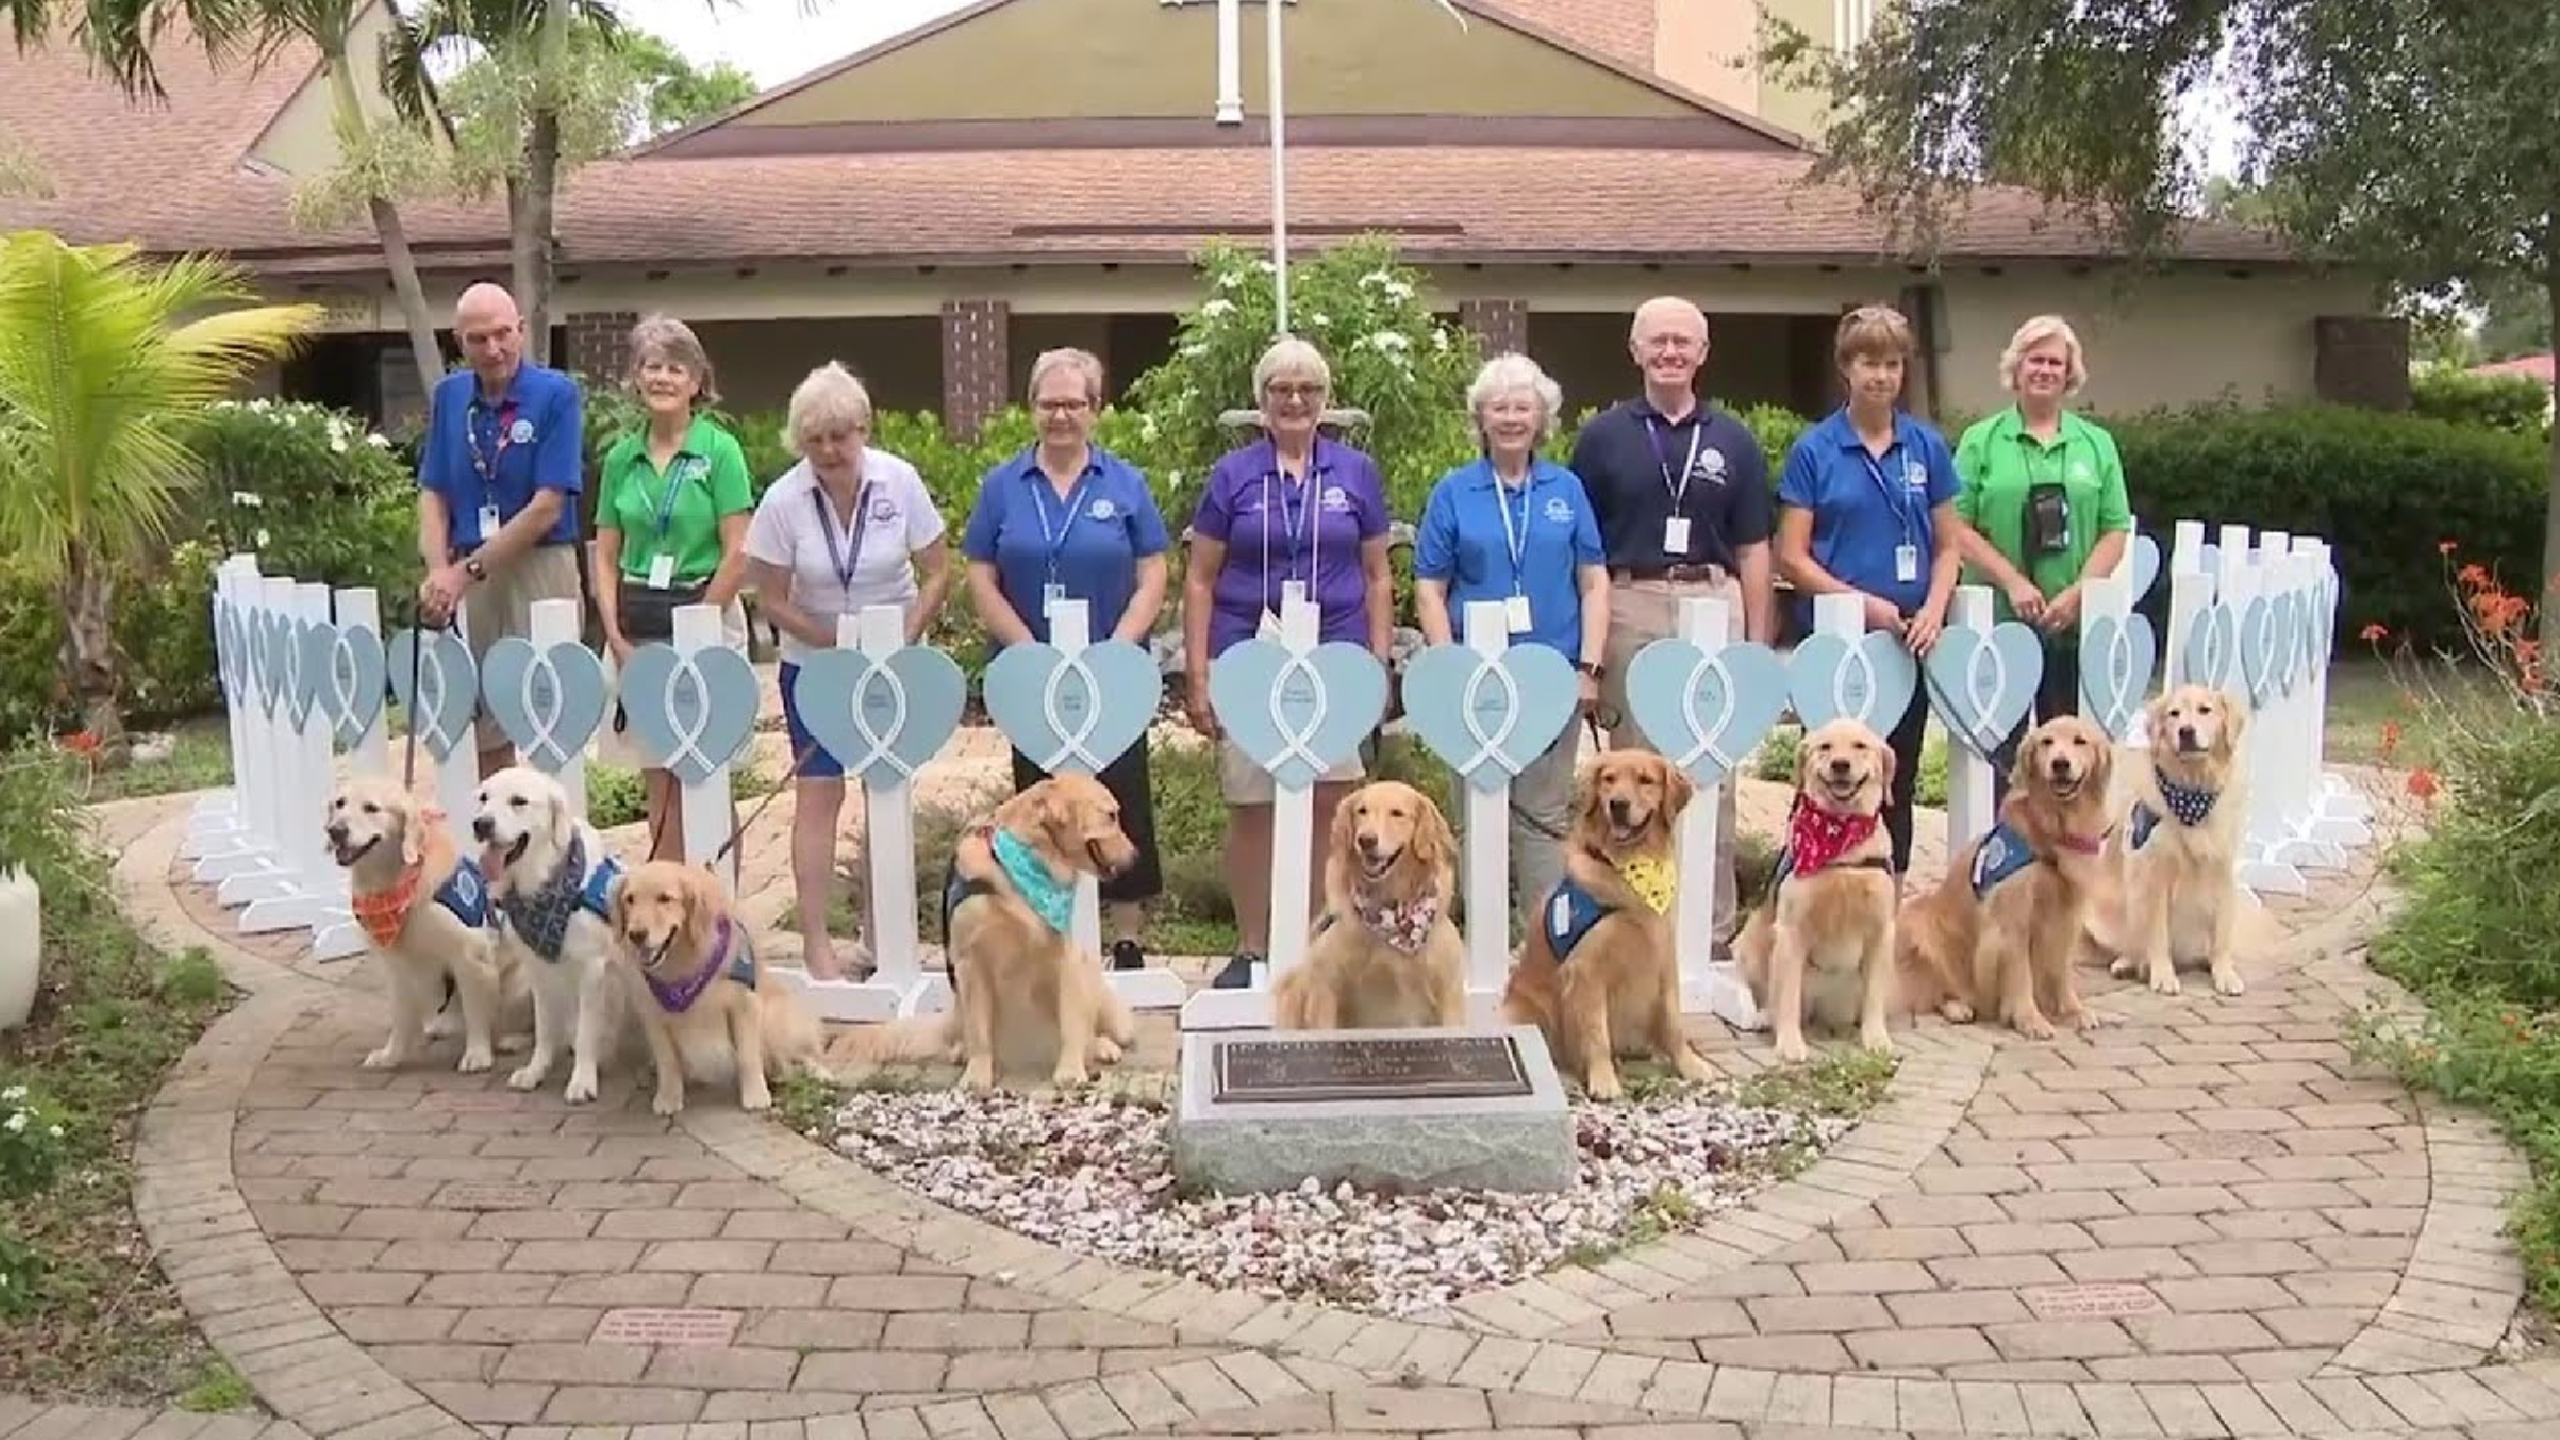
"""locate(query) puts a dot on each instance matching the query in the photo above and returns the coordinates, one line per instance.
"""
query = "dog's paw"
(443, 1025)
(525, 1078)
(754, 1097)
(1792, 1050)
(1956, 1012)
(2084, 1020)
(1106, 1051)
(1066, 1079)
(980, 1075)
(2122, 967)
(2227, 981)
(667, 1101)
(1877, 1041)
(582, 1086)
(2035, 1027)
(1690, 1066)
(386, 1058)
(2165, 982)
(474, 1061)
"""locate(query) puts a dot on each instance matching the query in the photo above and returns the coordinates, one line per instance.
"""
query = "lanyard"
(487, 464)
(845, 563)
(667, 499)
(1053, 538)
(1516, 540)
(1894, 498)
(1305, 527)
(1679, 488)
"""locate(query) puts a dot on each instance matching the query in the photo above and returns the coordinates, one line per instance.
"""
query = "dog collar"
(2085, 844)
(678, 997)
(1404, 927)
(1816, 838)
(1051, 899)
(385, 914)
(1651, 879)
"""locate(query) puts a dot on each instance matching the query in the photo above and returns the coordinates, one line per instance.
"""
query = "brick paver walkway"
(2200, 1220)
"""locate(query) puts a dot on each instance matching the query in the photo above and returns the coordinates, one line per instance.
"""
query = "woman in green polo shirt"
(672, 503)
(2044, 493)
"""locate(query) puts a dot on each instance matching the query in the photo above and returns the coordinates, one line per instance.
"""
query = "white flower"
(260, 405)
(261, 537)
(338, 444)
(1319, 321)
(14, 1093)
(1439, 338)
(54, 1130)
(247, 500)
(1147, 428)
(1218, 307)
(378, 441)
(16, 1122)
(1389, 342)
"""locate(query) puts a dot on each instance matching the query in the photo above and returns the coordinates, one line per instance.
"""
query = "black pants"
(1906, 741)
(1127, 780)
(2058, 693)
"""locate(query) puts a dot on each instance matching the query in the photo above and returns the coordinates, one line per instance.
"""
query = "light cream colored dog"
(1821, 946)
(2180, 845)
(1388, 955)
(423, 909)
(712, 1012)
(552, 879)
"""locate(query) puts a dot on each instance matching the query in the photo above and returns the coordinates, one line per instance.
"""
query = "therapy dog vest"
(541, 920)
(678, 997)
(1571, 910)
(464, 893)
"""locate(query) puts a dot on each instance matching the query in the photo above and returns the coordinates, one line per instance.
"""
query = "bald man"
(1681, 493)
(498, 487)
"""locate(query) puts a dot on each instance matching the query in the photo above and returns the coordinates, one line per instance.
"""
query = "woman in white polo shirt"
(847, 528)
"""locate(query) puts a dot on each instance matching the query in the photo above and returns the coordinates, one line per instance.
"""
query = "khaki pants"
(1641, 612)
(502, 605)
(1542, 821)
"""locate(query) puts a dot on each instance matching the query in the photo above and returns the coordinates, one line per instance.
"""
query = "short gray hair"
(1290, 355)
(1509, 374)
(664, 337)
(1082, 362)
(830, 399)
(2037, 330)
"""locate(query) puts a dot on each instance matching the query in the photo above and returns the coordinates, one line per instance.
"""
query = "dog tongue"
(493, 862)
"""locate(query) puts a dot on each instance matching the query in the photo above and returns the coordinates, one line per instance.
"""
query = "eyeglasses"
(1294, 390)
(1073, 405)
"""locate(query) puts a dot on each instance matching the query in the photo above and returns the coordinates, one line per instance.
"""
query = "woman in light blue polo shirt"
(1517, 530)
(1867, 506)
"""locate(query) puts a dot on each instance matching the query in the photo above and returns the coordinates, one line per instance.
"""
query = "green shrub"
(2516, 403)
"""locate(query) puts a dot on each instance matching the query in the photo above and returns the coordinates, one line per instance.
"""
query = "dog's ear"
(617, 905)
(2235, 723)
(702, 902)
(564, 823)
(2103, 774)
(1432, 835)
(2155, 716)
(1804, 758)
(403, 812)
(1344, 831)
(1677, 789)
(1892, 764)
(2022, 769)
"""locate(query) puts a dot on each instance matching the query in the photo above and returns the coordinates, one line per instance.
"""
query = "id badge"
(1675, 535)
(1906, 563)
(662, 572)
(1050, 595)
(1516, 613)
(490, 524)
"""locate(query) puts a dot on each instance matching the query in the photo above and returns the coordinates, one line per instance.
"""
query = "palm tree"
(107, 364)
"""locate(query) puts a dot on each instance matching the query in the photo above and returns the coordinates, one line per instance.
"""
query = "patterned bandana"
(1652, 881)
(1403, 927)
(385, 914)
(2191, 806)
(1053, 901)
(541, 919)
(677, 998)
(1816, 838)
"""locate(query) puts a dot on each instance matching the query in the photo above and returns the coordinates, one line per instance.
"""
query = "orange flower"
(2445, 547)
(2473, 575)
(2375, 634)
(81, 742)
(2390, 737)
(2422, 783)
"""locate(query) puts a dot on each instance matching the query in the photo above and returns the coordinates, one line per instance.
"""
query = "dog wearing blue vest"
(424, 909)
(1999, 935)
(1599, 975)
(551, 885)
(1819, 945)
(2179, 898)
(1385, 954)
(712, 1013)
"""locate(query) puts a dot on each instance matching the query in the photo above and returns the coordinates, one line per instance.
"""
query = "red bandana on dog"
(385, 914)
(1816, 838)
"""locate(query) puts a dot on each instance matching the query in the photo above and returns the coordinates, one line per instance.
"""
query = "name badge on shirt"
(662, 572)
(1906, 563)
(1675, 535)
(1050, 598)
(1516, 612)
(489, 522)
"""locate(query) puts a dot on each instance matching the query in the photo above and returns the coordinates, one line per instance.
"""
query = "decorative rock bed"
(1094, 1176)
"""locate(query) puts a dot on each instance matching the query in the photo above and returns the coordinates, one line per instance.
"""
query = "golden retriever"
(1388, 956)
(1022, 995)
(551, 878)
(1599, 975)
(424, 911)
(1820, 945)
(1999, 933)
(710, 1010)
(2179, 896)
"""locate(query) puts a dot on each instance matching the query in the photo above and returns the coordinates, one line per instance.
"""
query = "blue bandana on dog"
(541, 919)
(1053, 900)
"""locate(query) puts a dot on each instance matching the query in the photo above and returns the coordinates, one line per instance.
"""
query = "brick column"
(599, 344)
(976, 363)
(2361, 360)
(1499, 325)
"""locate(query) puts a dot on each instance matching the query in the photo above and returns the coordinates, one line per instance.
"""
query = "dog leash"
(738, 832)
(417, 659)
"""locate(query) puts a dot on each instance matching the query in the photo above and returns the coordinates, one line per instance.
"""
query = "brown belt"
(1670, 574)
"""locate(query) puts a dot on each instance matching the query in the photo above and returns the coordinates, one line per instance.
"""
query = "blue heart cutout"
(1073, 716)
(549, 701)
(448, 688)
(266, 658)
(232, 647)
(1489, 716)
(1870, 681)
(302, 672)
(1297, 717)
(353, 682)
(690, 713)
(2211, 655)
(1982, 683)
(2292, 640)
(2141, 566)
(1706, 712)
(881, 719)
(2117, 654)
(2258, 650)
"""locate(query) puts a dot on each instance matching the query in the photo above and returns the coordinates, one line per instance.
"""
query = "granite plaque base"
(1394, 1110)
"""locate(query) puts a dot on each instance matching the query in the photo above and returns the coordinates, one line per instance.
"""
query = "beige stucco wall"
(301, 140)
(1115, 58)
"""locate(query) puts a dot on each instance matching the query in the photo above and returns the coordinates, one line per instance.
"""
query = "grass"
(218, 1389)
(97, 1320)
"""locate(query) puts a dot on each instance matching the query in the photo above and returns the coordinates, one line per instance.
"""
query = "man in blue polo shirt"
(498, 490)
(1681, 490)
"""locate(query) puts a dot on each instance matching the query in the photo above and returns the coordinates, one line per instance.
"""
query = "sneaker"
(1126, 955)
(1239, 973)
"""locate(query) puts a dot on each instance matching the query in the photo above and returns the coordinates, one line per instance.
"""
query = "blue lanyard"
(1053, 538)
(1893, 497)
(845, 563)
(667, 498)
(1515, 540)
(1678, 487)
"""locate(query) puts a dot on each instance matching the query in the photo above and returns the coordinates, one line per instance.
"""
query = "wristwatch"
(1593, 669)
(476, 568)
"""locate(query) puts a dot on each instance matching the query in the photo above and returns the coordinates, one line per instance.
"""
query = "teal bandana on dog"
(1054, 901)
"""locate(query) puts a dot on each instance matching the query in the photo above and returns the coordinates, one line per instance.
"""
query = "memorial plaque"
(666, 1327)
(1439, 1067)
(2090, 1302)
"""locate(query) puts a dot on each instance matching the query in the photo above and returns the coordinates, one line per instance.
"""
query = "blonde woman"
(671, 530)
(847, 528)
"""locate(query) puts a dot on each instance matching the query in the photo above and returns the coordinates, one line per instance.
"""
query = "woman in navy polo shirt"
(1867, 506)
(1517, 530)
(1068, 519)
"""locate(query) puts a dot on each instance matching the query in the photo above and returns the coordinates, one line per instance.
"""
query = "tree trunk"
(532, 224)
(89, 652)
(2547, 604)
(415, 316)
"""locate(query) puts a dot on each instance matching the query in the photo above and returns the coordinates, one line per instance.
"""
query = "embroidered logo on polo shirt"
(1103, 509)
(1915, 475)
(1558, 511)
(1711, 464)
(884, 511)
(522, 434)
(1335, 500)
(694, 467)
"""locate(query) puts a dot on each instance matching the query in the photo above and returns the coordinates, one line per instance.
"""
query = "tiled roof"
(2532, 367)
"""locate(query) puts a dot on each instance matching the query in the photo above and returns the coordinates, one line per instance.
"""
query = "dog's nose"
(337, 832)
(2059, 766)
(484, 829)
(636, 935)
(1839, 768)
(1618, 808)
(1368, 844)
(2187, 735)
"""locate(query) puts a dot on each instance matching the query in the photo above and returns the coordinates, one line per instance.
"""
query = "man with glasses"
(1681, 492)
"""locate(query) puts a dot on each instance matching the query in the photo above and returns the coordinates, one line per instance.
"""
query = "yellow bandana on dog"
(1651, 880)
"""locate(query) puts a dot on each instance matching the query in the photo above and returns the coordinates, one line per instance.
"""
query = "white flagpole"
(1279, 167)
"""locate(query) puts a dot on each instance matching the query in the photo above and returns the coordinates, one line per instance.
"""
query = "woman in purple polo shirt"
(1290, 508)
